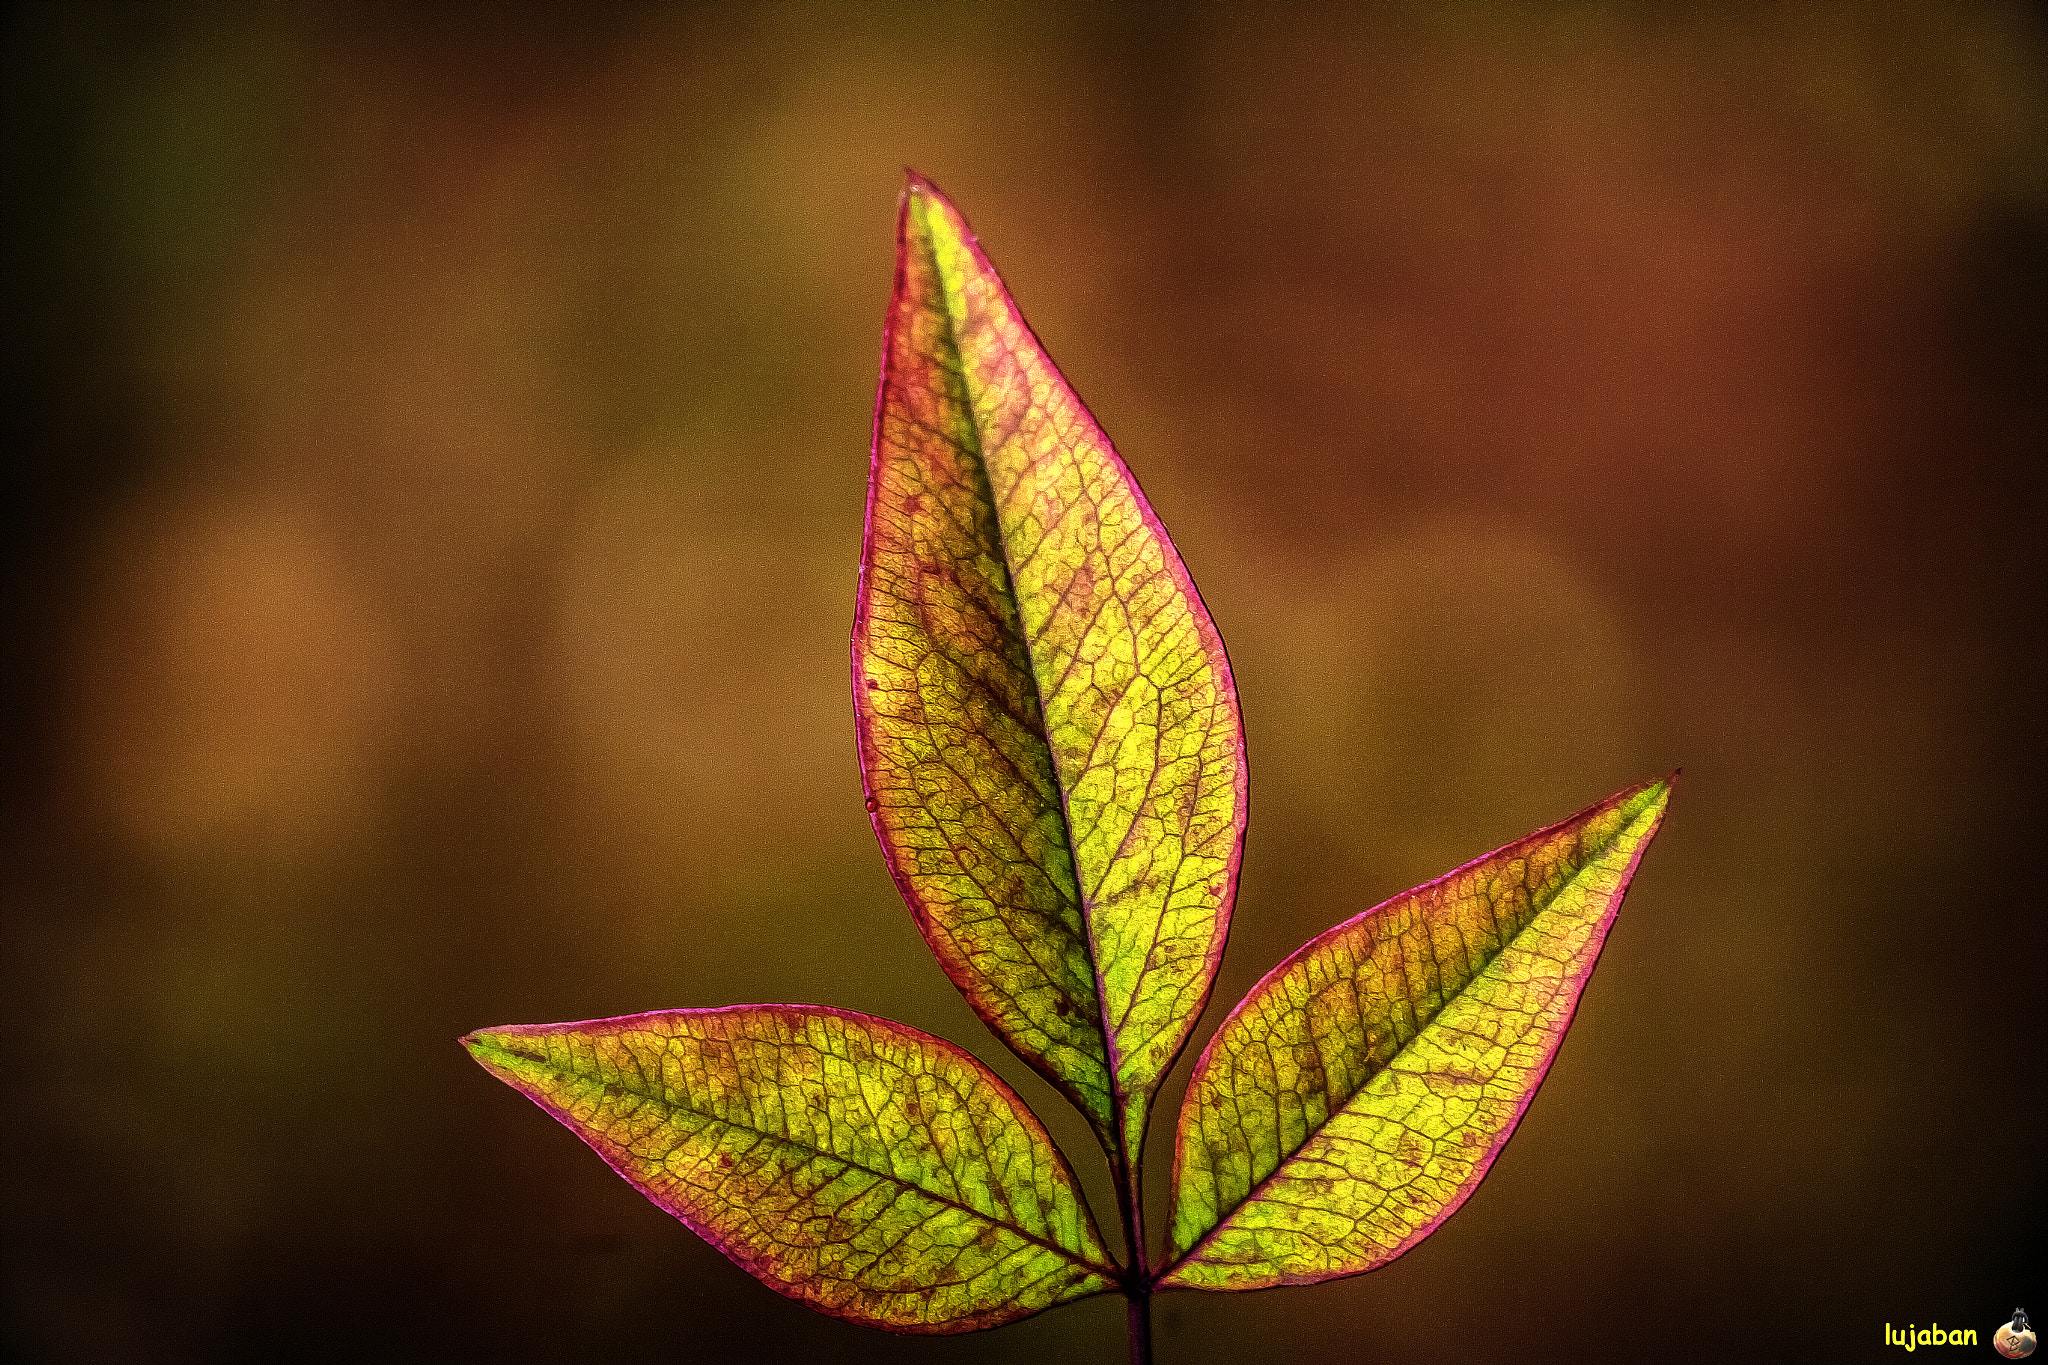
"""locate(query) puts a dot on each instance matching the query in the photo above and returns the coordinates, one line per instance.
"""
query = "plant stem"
(1130, 1207)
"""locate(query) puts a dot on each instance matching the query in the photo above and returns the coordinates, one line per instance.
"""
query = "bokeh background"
(436, 448)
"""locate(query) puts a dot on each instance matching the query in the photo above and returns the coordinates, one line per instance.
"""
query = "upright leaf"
(1047, 726)
(871, 1171)
(1359, 1092)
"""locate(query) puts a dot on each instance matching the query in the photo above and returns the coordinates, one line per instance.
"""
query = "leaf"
(871, 1171)
(1358, 1094)
(1048, 731)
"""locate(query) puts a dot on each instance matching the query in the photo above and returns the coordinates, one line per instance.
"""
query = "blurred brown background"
(436, 445)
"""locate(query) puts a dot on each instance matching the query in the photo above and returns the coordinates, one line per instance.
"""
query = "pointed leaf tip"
(866, 1169)
(1048, 730)
(1359, 1093)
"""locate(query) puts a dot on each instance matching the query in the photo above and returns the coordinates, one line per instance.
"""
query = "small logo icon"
(2015, 1340)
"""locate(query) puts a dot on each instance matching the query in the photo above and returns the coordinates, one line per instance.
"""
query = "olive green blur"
(436, 445)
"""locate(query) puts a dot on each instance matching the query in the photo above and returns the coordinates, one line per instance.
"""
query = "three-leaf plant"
(1055, 768)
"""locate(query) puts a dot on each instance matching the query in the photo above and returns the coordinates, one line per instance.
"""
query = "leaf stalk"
(1129, 1177)
(1140, 1314)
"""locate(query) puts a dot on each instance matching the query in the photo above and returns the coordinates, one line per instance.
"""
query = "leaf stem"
(1140, 1311)
(1130, 1208)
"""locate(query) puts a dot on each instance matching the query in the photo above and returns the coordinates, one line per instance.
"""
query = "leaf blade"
(1048, 729)
(866, 1169)
(1359, 1092)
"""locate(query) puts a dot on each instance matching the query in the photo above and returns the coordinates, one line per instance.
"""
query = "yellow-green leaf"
(1359, 1093)
(1047, 726)
(871, 1171)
